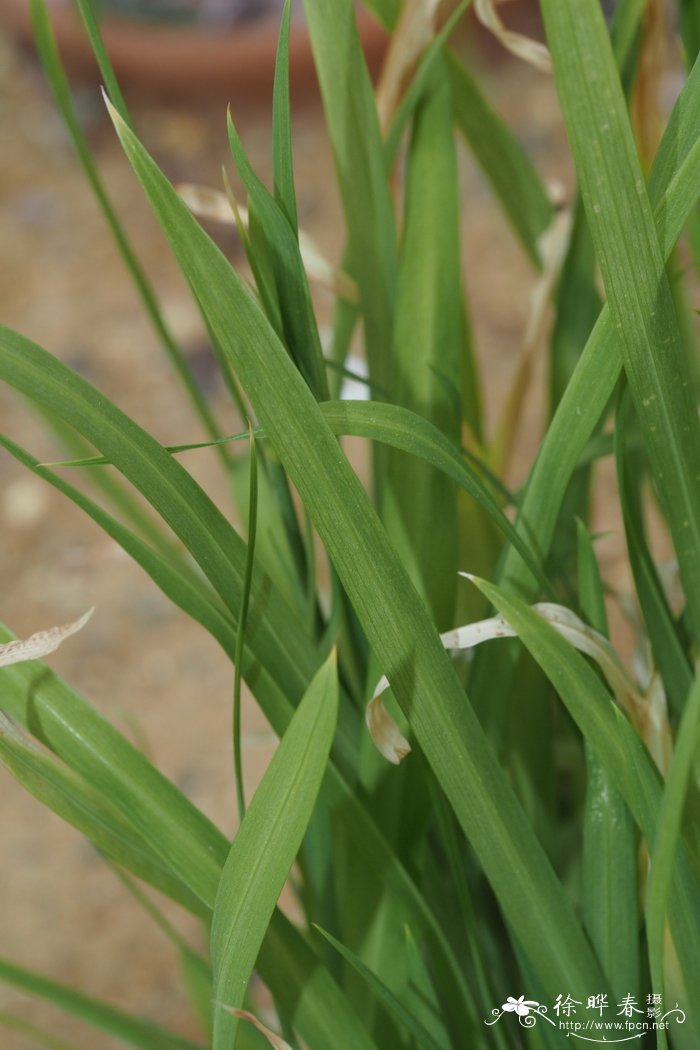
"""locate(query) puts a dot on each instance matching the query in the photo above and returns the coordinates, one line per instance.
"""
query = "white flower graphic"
(521, 1006)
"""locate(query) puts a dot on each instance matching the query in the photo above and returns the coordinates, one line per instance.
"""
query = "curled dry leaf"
(273, 1039)
(648, 713)
(40, 644)
(208, 203)
(531, 51)
(383, 729)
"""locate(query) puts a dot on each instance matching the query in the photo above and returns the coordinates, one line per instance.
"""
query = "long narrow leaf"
(674, 186)
(632, 264)
(394, 619)
(98, 1014)
(48, 53)
(667, 836)
(357, 147)
(266, 844)
(68, 795)
(624, 758)
(180, 834)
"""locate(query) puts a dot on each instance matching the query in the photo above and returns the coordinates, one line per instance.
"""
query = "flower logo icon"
(521, 1006)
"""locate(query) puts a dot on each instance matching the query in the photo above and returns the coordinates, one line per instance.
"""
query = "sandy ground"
(141, 662)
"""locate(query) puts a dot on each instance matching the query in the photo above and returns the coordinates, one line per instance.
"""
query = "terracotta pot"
(189, 61)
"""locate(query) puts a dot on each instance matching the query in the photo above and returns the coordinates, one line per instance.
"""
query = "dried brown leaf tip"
(40, 644)
(273, 1039)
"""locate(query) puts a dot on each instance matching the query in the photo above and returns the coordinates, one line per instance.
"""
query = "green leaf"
(68, 795)
(353, 125)
(242, 621)
(668, 834)
(394, 619)
(50, 60)
(99, 50)
(266, 844)
(674, 186)
(282, 165)
(280, 659)
(106, 1018)
(112, 430)
(609, 878)
(180, 835)
(405, 430)
(502, 159)
(307, 993)
(283, 256)
(667, 648)
(624, 758)
(408, 1022)
(427, 352)
(632, 264)
(178, 583)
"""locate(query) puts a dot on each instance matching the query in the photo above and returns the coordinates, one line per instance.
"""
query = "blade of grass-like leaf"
(242, 620)
(427, 352)
(318, 1008)
(113, 489)
(624, 757)
(667, 836)
(353, 126)
(502, 159)
(266, 844)
(178, 583)
(667, 647)
(282, 166)
(94, 414)
(405, 430)
(465, 909)
(395, 620)
(674, 186)
(609, 877)
(690, 25)
(65, 793)
(624, 29)
(48, 54)
(179, 834)
(387, 11)
(364, 833)
(269, 221)
(99, 50)
(407, 1021)
(277, 648)
(632, 264)
(195, 968)
(69, 796)
(577, 304)
(106, 1018)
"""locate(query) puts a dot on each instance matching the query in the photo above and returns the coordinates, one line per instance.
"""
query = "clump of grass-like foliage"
(436, 894)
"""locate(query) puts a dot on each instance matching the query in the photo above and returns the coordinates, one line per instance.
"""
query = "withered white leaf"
(208, 203)
(648, 714)
(531, 51)
(40, 644)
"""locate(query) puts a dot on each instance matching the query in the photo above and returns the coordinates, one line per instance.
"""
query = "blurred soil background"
(140, 661)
